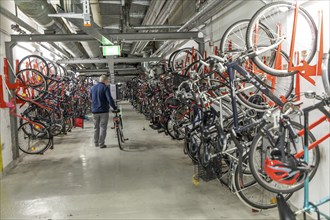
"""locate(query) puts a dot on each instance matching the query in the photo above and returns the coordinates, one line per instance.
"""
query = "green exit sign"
(111, 50)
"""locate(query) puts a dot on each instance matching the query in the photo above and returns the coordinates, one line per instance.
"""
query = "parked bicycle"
(118, 126)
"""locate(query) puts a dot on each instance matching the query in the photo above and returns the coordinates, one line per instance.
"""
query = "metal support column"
(201, 47)
(13, 120)
(111, 64)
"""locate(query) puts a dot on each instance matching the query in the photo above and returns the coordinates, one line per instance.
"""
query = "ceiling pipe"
(209, 5)
(96, 12)
(155, 27)
(151, 15)
(161, 19)
(26, 26)
(38, 10)
(213, 12)
(141, 2)
(137, 14)
(74, 6)
(92, 47)
(153, 19)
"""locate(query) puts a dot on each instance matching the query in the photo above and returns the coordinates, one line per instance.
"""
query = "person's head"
(103, 79)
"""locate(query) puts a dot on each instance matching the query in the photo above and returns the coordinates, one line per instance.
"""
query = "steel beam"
(106, 70)
(17, 20)
(107, 74)
(116, 60)
(153, 36)
(111, 65)
(13, 119)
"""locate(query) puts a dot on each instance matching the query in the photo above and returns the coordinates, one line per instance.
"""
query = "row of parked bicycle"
(53, 100)
(236, 111)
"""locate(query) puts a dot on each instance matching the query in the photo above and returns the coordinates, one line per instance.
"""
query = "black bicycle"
(118, 126)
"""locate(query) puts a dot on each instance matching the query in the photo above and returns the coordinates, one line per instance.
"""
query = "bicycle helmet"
(289, 172)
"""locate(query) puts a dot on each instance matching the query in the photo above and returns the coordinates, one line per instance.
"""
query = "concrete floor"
(151, 180)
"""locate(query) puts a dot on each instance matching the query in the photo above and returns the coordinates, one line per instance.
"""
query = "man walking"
(101, 101)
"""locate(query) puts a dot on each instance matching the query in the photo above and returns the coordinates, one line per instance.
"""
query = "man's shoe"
(103, 146)
(96, 145)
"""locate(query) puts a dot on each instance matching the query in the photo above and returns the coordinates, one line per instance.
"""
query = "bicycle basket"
(178, 79)
(211, 171)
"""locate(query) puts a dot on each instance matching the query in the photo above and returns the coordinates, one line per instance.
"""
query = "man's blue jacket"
(101, 98)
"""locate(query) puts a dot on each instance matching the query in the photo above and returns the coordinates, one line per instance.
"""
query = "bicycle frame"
(231, 67)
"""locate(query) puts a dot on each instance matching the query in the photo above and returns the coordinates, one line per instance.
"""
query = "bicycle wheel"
(326, 73)
(174, 131)
(34, 62)
(67, 124)
(119, 135)
(33, 138)
(233, 41)
(278, 17)
(191, 146)
(261, 148)
(35, 113)
(33, 84)
(182, 58)
(251, 192)
(122, 138)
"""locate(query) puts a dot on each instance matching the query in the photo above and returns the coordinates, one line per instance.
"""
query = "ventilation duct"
(38, 10)
(74, 6)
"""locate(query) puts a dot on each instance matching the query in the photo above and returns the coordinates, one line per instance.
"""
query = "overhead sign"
(111, 50)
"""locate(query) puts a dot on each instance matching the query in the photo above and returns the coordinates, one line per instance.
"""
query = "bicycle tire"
(39, 63)
(35, 113)
(239, 43)
(248, 190)
(187, 150)
(122, 138)
(282, 7)
(118, 133)
(263, 180)
(326, 73)
(173, 131)
(175, 54)
(67, 124)
(26, 138)
(31, 90)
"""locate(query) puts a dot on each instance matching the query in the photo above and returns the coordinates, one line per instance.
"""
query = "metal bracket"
(86, 15)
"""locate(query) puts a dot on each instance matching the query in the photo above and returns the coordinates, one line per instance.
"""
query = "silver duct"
(38, 10)
(209, 5)
(74, 6)
(161, 19)
(23, 24)
(151, 15)
(92, 47)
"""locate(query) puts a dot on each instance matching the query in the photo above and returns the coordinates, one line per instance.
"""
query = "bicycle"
(118, 126)
(284, 210)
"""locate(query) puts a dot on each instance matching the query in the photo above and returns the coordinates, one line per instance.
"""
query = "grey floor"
(151, 180)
